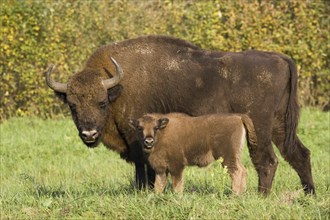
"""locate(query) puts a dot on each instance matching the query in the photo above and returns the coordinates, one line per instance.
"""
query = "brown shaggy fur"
(173, 141)
(165, 74)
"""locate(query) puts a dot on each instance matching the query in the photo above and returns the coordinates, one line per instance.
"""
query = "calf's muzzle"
(148, 142)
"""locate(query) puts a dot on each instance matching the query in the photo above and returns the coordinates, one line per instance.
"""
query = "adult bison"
(164, 74)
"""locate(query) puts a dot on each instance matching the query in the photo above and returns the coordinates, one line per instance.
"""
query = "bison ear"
(114, 92)
(62, 96)
(133, 123)
(162, 122)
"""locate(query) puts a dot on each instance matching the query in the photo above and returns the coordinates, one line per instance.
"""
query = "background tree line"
(36, 33)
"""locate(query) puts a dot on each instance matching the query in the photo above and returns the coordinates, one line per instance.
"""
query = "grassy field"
(47, 173)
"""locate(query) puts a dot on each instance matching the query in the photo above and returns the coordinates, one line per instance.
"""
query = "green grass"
(47, 173)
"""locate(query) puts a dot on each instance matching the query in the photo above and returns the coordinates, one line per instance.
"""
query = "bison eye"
(103, 104)
(139, 128)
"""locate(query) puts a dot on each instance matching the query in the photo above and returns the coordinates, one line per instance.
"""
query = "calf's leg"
(237, 174)
(160, 182)
(243, 178)
(177, 181)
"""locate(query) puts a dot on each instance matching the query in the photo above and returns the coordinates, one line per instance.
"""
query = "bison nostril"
(84, 134)
(93, 134)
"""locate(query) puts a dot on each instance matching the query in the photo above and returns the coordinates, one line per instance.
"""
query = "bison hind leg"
(299, 159)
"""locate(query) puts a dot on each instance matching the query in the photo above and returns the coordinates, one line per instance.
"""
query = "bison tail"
(251, 135)
(292, 111)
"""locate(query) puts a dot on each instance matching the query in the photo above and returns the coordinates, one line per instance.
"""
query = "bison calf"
(175, 140)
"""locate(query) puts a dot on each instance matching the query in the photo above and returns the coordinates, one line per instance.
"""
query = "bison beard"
(164, 74)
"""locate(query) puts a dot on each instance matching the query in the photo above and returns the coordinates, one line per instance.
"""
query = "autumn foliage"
(37, 33)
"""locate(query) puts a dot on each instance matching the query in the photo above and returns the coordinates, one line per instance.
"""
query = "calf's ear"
(132, 123)
(162, 122)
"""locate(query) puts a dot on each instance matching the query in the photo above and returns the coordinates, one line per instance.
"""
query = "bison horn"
(57, 87)
(109, 83)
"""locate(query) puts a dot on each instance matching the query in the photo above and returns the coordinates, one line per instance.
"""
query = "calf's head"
(147, 130)
(88, 94)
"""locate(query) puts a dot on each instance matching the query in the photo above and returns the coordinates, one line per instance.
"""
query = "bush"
(36, 33)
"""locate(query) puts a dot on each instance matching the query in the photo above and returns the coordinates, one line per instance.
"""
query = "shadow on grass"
(39, 189)
(204, 190)
(90, 189)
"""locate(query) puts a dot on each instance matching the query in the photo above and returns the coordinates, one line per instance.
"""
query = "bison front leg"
(160, 182)
(140, 175)
(266, 166)
(136, 155)
(144, 174)
(263, 156)
(151, 176)
(265, 162)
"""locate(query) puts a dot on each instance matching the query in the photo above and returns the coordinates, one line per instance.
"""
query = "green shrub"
(36, 33)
